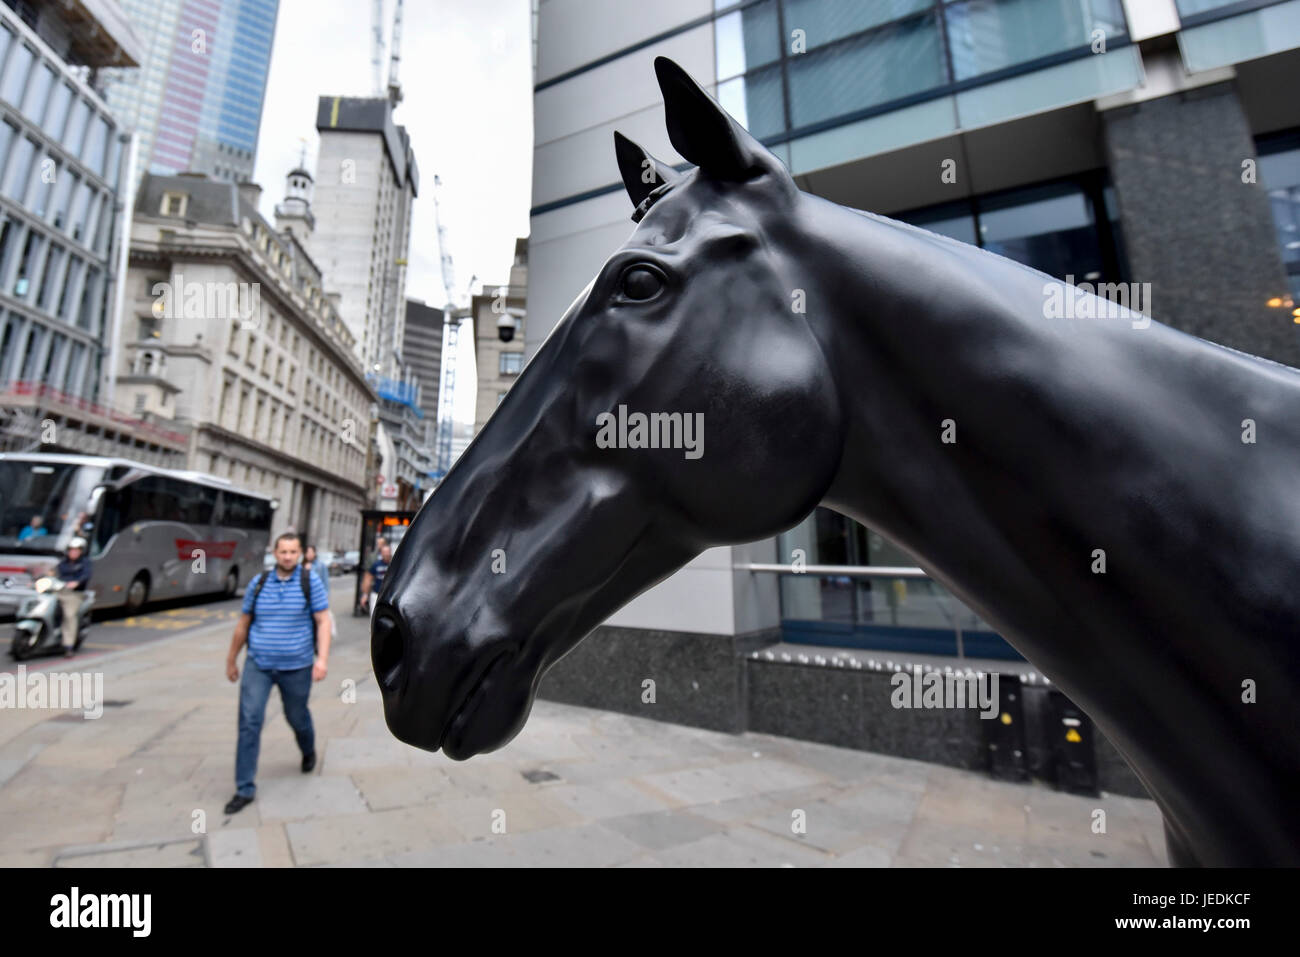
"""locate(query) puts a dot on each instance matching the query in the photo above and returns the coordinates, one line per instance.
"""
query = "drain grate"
(79, 716)
(538, 776)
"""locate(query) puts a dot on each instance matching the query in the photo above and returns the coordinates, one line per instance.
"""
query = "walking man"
(374, 579)
(283, 609)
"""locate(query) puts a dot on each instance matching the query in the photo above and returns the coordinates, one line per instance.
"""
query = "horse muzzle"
(461, 697)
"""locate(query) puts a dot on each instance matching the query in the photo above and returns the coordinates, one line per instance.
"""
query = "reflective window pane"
(75, 134)
(884, 65)
(38, 92)
(93, 154)
(755, 101)
(954, 220)
(15, 78)
(1189, 8)
(988, 35)
(48, 172)
(1279, 173)
(746, 39)
(1051, 229)
(825, 20)
(20, 169)
(58, 111)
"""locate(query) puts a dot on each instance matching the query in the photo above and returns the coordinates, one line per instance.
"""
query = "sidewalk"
(144, 785)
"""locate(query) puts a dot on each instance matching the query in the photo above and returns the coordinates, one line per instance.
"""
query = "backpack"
(306, 594)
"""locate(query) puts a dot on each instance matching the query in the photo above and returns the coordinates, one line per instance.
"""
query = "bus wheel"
(138, 593)
(232, 583)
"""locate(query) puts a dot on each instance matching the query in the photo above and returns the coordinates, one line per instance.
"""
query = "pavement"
(145, 784)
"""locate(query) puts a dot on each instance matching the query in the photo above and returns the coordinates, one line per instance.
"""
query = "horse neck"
(1074, 438)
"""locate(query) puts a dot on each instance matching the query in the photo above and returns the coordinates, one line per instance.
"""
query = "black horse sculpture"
(1119, 500)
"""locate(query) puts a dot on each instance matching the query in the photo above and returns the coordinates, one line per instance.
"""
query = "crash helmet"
(77, 542)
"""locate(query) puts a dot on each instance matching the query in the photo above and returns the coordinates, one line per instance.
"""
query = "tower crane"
(452, 322)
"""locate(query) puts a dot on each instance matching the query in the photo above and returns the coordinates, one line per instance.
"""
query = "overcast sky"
(466, 74)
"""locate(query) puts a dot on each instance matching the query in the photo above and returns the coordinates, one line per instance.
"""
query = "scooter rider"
(74, 572)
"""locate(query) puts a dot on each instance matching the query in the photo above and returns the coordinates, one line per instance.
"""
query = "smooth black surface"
(1071, 435)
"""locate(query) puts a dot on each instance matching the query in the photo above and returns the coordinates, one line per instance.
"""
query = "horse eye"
(641, 283)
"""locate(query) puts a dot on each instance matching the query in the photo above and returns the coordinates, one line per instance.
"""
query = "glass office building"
(196, 101)
(1147, 141)
(62, 155)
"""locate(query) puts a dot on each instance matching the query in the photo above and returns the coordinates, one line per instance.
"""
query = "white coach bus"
(153, 533)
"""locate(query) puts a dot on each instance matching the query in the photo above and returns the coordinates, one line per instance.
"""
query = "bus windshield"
(43, 503)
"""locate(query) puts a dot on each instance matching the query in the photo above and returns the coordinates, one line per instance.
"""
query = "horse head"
(681, 402)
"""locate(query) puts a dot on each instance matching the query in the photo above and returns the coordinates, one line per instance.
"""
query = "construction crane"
(377, 46)
(394, 87)
(447, 395)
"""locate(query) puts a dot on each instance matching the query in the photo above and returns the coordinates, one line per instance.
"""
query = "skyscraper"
(196, 101)
(366, 181)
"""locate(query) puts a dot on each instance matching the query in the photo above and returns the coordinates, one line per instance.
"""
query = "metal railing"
(850, 571)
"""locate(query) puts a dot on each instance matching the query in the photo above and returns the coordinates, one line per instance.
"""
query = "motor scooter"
(38, 629)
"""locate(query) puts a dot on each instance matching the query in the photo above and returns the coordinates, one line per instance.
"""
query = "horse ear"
(704, 133)
(641, 172)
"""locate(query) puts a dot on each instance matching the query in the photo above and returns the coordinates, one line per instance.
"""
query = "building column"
(1192, 228)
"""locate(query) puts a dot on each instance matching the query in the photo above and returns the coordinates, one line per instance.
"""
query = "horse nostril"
(386, 650)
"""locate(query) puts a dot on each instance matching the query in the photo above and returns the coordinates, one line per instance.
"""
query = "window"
(67, 294)
(244, 511)
(58, 111)
(76, 131)
(140, 398)
(7, 133)
(1061, 228)
(38, 92)
(27, 264)
(35, 339)
(15, 78)
(53, 262)
(148, 328)
(80, 211)
(173, 204)
(61, 202)
(511, 363)
(20, 169)
(48, 173)
(89, 316)
(1279, 174)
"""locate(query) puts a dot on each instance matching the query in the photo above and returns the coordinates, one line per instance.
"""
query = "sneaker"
(237, 804)
(308, 762)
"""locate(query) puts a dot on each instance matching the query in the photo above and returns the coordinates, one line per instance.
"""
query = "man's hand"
(319, 668)
(232, 669)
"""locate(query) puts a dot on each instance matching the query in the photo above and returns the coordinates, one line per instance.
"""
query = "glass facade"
(196, 100)
(789, 67)
(1279, 173)
(1065, 228)
(60, 154)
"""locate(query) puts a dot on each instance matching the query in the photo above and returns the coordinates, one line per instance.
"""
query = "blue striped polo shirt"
(281, 636)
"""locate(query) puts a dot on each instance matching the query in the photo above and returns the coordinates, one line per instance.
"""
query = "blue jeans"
(254, 690)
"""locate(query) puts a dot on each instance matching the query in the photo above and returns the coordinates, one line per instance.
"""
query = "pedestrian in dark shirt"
(74, 572)
(374, 579)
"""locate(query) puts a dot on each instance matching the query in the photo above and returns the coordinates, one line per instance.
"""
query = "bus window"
(34, 500)
(194, 503)
(111, 509)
